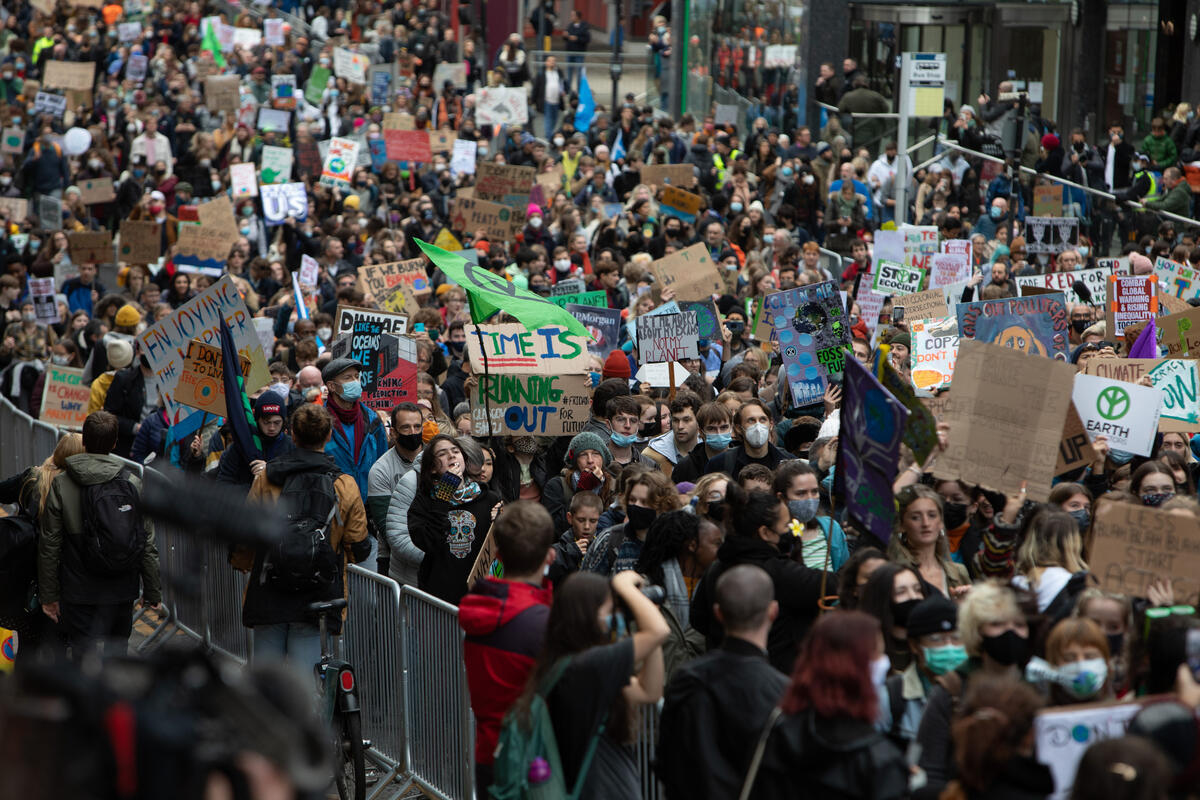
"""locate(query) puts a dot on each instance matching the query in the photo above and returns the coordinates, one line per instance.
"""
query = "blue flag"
(587, 104)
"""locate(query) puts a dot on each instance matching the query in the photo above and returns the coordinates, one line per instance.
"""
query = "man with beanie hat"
(587, 457)
(617, 366)
(269, 411)
(937, 651)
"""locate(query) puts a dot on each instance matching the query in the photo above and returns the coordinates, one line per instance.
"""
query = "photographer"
(600, 686)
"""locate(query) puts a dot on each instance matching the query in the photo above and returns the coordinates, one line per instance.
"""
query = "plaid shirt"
(32, 344)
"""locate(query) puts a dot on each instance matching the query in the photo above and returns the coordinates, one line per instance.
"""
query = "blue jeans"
(551, 116)
(299, 643)
(573, 70)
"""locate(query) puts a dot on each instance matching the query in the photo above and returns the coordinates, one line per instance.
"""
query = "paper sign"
(960, 247)
(387, 357)
(1096, 281)
(920, 243)
(923, 305)
(49, 212)
(136, 69)
(1175, 378)
(380, 279)
(247, 37)
(283, 200)
(276, 164)
(92, 247)
(1006, 419)
(511, 348)
(530, 405)
(1051, 234)
(1134, 545)
(680, 203)
(690, 272)
(1036, 325)
(273, 119)
(283, 91)
(949, 268)
(667, 337)
(1180, 333)
(242, 179)
(934, 351)
(64, 398)
(1048, 200)
(141, 242)
(497, 220)
(679, 175)
(340, 162)
(96, 190)
(1179, 280)
(1075, 448)
(892, 277)
(503, 183)
(1127, 414)
(273, 32)
(222, 93)
(408, 146)
(597, 299)
(1131, 299)
(1115, 266)
(42, 293)
(12, 141)
(314, 90)
(47, 103)
(462, 161)
(69, 74)
(501, 105)
(604, 325)
(202, 384)
(310, 271)
(660, 374)
(350, 65)
(1064, 734)
(165, 343)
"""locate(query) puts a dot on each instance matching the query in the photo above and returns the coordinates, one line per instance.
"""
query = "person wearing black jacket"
(578, 36)
(235, 468)
(550, 94)
(126, 399)
(715, 706)
(758, 531)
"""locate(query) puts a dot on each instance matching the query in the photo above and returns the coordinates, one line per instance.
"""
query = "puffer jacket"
(406, 556)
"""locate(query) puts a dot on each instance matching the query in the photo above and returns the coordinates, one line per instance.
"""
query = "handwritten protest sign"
(273, 32)
(1048, 200)
(141, 241)
(510, 348)
(497, 220)
(276, 164)
(348, 315)
(679, 175)
(1179, 280)
(222, 92)
(96, 190)
(380, 279)
(12, 141)
(680, 203)
(949, 268)
(1175, 378)
(1180, 333)
(91, 247)
(708, 320)
(1075, 448)
(934, 351)
(1006, 418)
(462, 160)
(1035, 325)
(242, 180)
(1095, 281)
(202, 384)
(1127, 414)
(283, 92)
(604, 325)
(1064, 733)
(530, 405)
(929, 304)
(165, 343)
(920, 245)
(68, 74)
(340, 162)
(283, 200)
(49, 212)
(1131, 299)
(1115, 266)
(597, 298)
(64, 398)
(810, 325)
(667, 337)
(691, 273)
(350, 65)
(501, 105)
(892, 277)
(503, 183)
(388, 359)
(959, 247)
(1134, 545)
(408, 146)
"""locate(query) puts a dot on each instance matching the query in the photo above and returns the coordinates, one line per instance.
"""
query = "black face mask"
(651, 428)
(1007, 649)
(954, 514)
(409, 441)
(901, 611)
(639, 518)
(1116, 641)
(716, 511)
(1080, 325)
(786, 542)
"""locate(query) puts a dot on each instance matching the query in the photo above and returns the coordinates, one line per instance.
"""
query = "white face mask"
(536, 222)
(325, 334)
(757, 435)
(281, 388)
(1083, 680)
(95, 163)
(559, 141)
(59, 360)
(808, 180)
(562, 264)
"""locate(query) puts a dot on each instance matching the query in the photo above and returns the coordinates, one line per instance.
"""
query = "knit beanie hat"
(128, 316)
(269, 404)
(902, 339)
(588, 441)
(1140, 264)
(617, 366)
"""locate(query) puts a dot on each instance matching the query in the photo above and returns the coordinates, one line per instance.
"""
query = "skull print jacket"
(450, 533)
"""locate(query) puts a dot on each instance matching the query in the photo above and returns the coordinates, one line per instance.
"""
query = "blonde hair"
(56, 463)
(1051, 540)
(898, 549)
(990, 601)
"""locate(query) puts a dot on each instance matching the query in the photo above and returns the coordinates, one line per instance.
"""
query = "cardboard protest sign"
(691, 273)
(49, 211)
(934, 351)
(667, 337)
(1035, 325)
(1064, 733)
(679, 175)
(1170, 305)
(96, 190)
(503, 183)
(92, 247)
(347, 315)
(497, 220)
(597, 299)
(222, 93)
(203, 248)
(1175, 378)
(1048, 200)
(340, 162)
(501, 105)
(1180, 280)
(64, 398)
(388, 358)
(1095, 281)
(530, 405)
(949, 268)
(442, 141)
(12, 141)
(708, 319)
(1180, 333)
(1134, 545)
(408, 146)
(202, 384)
(1051, 234)
(892, 277)
(350, 65)
(1006, 417)
(141, 242)
(868, 449)
(1127, 414)
(462, 160)
(929, 304)
(283, 92)
(603, 323)
(276, 164)
(283, 200)
(68, 74)
(242, 180)
(510, 348)
(1131, 299)
(680, 203)
(380, 279)
(1075, 448)
(165, 343)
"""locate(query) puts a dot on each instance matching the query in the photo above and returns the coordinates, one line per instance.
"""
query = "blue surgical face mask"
(804, 510)
(1082, 518)
(1083, 252)
(787, 172)
(995, 212)
(1120, 456)
(735, 208)
(622, 439)
(718, 441)
(352, 390)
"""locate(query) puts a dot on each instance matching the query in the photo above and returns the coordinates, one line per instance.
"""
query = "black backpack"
(114, 534)
(304, 559)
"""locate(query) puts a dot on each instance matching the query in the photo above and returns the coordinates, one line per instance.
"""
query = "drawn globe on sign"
(504, 213)
(706, 322)
(810, 318)
(1017, 337)
(337, 165)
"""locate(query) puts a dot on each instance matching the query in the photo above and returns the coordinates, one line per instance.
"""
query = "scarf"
(349, 416)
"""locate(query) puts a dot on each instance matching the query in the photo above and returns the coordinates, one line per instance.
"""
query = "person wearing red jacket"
(505, 622)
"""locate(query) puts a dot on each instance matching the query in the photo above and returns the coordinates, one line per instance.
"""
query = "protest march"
(560, 443)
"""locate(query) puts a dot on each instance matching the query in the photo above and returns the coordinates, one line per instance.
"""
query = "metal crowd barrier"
(647, 752)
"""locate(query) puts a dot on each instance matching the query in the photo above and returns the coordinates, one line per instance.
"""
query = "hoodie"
(505, 624)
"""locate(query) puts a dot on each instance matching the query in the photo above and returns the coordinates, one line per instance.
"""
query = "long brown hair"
(996, 718)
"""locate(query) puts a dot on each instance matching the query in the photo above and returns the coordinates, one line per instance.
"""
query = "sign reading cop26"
(1124, 412)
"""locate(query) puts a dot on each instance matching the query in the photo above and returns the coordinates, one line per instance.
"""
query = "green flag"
(317, 81)
(213, 45)
(490, 293)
